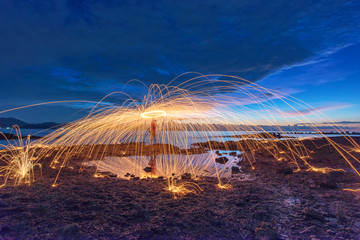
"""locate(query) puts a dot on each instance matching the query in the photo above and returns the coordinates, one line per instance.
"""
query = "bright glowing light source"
(153, 114)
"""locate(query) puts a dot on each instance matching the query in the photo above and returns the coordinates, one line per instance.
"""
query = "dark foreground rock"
(221, 160)
(265, 232)
(264, 203)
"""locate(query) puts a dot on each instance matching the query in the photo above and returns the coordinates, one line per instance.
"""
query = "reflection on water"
(151, 168)
(152, 164)
(24, 133)
(168, 165)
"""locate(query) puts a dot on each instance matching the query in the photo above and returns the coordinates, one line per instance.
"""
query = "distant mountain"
(9, 122)
(43, 125)
(330, 123)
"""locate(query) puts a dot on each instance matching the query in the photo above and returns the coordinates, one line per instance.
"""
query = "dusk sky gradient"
(84, 49)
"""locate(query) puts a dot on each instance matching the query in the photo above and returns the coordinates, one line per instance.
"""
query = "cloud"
(71, 49)
(317, 110)
(68, 75)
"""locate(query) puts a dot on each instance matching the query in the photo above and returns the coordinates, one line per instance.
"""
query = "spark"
(116, 138)
(224, 186)
(181, 189)
(20, 161)
(351, 190)
(325, 170)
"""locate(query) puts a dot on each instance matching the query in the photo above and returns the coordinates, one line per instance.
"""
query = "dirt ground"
(270, 202)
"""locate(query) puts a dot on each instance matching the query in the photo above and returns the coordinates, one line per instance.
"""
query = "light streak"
(351, 190)
(224, 186)
(20, 161)
(324, 169)
(153, 114)
(181, 189)
(185, 112)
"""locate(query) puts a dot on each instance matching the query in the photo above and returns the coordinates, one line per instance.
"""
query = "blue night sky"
(82, 50)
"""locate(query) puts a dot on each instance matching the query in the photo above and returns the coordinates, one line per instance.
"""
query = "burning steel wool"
(194, 118)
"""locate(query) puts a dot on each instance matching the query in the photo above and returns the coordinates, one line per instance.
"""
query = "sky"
(57, 50)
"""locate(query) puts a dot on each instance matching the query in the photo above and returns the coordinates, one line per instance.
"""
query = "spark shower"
(111, 137)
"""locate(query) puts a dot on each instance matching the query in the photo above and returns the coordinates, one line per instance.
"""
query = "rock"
(186, 176)
(261, 215)
(221, 160)
(235, 170)
(285, 170)
(308, 229)
(265, 232)
(113, 175)
(233, 154)
(331, 220)
(328, 184)
(147, 169)
(312, 214)
(70, 231)
(140, 214)
(357, 224)
(4, 230)
(218, 153)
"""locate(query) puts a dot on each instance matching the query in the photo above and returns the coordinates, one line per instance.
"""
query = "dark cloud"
(83, 49)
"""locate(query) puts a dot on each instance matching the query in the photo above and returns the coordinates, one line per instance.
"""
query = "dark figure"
(153, 132)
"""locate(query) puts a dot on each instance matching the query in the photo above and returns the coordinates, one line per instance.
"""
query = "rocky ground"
(270, 202)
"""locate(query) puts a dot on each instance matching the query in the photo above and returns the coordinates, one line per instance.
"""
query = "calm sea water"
(192, 137)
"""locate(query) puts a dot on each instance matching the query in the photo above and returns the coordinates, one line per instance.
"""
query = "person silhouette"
(153, 131)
